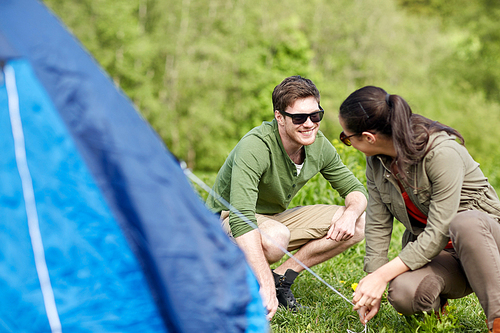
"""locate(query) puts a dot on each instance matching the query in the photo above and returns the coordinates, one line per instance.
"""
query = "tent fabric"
(128, 245)
(6, 50)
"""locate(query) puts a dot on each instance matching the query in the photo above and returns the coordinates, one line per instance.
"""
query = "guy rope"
(205, 187)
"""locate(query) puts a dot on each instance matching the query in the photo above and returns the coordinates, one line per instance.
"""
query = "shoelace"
(284, 283)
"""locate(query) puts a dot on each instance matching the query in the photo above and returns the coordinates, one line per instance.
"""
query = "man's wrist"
(351, 214)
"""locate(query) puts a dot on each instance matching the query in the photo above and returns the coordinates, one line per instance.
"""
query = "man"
(261, 176)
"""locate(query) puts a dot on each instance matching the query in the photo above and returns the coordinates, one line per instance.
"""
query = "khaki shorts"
(304, 222)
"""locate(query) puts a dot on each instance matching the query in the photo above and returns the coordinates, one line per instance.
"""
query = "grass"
(327, 311)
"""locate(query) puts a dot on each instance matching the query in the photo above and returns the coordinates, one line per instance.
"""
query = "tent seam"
(29, 201)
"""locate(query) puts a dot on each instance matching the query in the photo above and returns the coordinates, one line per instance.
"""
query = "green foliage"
(431, 323)
(202, 72)
(207, 178)
(467, 79)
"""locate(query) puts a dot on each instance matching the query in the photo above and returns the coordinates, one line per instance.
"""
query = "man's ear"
(370, 137)
(279, 118)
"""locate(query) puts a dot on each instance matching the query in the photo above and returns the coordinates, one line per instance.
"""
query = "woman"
(419, 174)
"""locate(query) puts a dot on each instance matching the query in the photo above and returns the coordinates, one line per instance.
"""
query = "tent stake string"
(29, 201)
(231, 208)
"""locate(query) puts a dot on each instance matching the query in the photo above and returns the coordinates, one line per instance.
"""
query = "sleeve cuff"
(372, 264)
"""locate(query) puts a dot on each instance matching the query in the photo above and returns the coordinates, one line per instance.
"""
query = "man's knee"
(408, 298)
(275, 238)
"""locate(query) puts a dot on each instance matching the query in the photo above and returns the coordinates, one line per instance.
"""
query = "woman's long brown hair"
(372, 109)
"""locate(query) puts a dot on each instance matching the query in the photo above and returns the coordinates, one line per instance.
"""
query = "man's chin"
(308, 139)
(308, 142)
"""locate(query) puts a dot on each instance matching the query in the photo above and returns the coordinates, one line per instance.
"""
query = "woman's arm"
(379, 221)
(445, 169)
(370, 289)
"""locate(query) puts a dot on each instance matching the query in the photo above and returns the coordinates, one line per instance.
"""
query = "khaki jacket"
(447, 181)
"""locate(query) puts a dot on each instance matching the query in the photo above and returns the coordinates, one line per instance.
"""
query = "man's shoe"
(283, 291)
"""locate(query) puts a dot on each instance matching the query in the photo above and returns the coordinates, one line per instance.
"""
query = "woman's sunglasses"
(300, 118)
(345, 138)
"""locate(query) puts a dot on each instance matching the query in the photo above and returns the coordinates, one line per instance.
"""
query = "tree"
(202, 72)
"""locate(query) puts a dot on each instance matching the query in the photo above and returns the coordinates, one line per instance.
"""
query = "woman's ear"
(370, 137)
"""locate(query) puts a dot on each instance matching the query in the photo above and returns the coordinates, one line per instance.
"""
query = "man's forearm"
(355, 203)
(251, 245)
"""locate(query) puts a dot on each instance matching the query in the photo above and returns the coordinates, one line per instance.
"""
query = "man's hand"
(269, 301)
(344, 221)
(343, 225)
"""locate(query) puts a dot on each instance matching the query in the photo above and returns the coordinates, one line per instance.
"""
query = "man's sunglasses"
(346, 138)
(300, 118)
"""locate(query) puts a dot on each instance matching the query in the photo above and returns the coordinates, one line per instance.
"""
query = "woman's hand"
(366, 313)
(368, 294)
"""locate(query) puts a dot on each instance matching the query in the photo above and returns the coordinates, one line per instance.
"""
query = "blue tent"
(100, 230)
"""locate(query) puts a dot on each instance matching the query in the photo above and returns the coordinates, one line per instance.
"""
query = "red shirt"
(418, 215)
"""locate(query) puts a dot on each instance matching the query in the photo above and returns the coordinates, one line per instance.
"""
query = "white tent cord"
(204, 186)
(29, 201)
